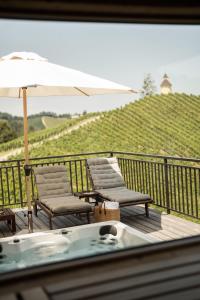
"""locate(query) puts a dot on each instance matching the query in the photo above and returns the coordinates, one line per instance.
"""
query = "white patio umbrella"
(25, 74)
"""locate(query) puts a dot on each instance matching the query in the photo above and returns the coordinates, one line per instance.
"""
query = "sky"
(123, 53)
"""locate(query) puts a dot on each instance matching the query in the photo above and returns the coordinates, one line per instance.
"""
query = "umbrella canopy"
(23, 69)
(25, 74)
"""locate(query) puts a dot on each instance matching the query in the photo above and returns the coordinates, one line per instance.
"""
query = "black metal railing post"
(166, 185)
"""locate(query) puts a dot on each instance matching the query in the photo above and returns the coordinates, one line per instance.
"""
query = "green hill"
(40, 135)
(50, 122)
(165, 125)
(35, 123)
(17, 126)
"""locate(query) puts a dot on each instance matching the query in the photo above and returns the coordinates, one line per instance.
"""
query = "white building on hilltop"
(166, 86)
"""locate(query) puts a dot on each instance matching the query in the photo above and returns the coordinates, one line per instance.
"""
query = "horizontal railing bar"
(57, 162)
(70, 155)
(107, 152)
(160, 163)
(157, 156)
(57, 156)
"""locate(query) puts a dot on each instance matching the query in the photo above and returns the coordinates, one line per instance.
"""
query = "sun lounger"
(55, 195)
(108, 182)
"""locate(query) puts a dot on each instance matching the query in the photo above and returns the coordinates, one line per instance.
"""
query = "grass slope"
(35, 123)
(165, 125)
(43, 134)
(50, 122)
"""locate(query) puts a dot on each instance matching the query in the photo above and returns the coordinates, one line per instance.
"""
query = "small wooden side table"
(87, 195)
(6, 214)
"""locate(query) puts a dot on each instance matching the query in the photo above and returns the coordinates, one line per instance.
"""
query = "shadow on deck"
(159, 225)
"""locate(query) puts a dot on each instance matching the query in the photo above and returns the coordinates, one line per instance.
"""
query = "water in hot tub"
(62, 245)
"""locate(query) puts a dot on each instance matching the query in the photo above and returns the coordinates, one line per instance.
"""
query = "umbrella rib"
(81, 91)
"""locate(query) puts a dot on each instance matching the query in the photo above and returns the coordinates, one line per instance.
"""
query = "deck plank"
(160, 226)
(170, 227)
(171, 222)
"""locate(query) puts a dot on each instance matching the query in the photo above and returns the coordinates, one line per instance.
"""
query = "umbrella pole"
(27, 167)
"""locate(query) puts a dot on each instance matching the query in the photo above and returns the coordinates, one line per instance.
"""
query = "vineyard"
(40, 135)
(159, 124)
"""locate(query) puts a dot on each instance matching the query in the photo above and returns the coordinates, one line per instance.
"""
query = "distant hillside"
(50, 122)
(35, 122)
(16, 123)
(165, 125)
(45, 134)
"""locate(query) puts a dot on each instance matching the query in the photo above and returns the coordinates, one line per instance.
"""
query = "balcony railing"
(172, 182)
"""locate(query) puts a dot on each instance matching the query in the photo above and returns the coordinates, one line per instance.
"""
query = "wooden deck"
(160, 226)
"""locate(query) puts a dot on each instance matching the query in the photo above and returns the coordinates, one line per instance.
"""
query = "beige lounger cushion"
(54, 191)
(52, 182)
(123, 195)
(66, 204)
(105, 173)
(109, 183)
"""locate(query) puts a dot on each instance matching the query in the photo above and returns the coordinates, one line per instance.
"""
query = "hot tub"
(34, 249)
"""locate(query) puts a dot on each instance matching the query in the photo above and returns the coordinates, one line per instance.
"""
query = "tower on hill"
(166, 86)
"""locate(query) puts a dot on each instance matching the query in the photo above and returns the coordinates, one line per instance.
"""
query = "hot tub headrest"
(108, 229)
